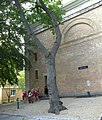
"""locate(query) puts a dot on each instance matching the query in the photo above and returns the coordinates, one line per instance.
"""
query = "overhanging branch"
(35, 40)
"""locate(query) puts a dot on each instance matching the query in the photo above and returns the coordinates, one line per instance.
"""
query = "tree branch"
(56, 28)
(35, 40)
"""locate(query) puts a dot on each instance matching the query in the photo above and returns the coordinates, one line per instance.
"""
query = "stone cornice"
(73, 4)
(84, 10)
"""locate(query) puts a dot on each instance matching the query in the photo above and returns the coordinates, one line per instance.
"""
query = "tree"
(8, 93)
(11, 57)
(38, 11)
(21, 80)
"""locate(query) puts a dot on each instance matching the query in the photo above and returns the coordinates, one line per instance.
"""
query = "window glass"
(13, 92)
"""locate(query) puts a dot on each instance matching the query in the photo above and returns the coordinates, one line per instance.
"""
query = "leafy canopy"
(13, 35)
(35, 13)
(21, 80)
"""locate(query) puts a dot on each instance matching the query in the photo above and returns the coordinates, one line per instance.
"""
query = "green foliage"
(21, 80)
(35, 13)
(12, 31)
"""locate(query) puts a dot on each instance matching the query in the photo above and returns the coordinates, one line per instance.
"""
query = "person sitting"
(33, 95)
(24, 96)
(36, 93)
(30, 97)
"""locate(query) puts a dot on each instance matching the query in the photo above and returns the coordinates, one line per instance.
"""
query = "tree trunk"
(8, 98)
(54, 100)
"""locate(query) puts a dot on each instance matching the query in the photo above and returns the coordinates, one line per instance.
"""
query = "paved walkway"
(20, 117)
(77, 109)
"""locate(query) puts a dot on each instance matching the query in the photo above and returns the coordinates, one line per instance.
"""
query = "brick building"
(11, 93)
(79, 58)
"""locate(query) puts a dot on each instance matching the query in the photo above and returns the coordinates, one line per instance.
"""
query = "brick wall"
(81, 46)
(5, 91)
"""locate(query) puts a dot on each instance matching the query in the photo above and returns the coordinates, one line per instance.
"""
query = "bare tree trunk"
(8, 98)
(8, 94)
(54, 100)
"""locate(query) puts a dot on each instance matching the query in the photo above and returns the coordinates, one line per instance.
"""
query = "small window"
(13, 92)
(82, 67)
(36, 74)
(45, 78)
(35, 57)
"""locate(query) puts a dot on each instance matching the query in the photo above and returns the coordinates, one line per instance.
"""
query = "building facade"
(79, 58)
(9, 94)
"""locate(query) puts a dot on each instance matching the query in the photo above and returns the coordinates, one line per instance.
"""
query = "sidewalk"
(77, 109)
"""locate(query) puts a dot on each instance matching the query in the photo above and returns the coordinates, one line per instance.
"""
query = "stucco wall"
(0, 94)
(7, 91)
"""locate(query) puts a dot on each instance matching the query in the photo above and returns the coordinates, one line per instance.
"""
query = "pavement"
(20, 117)
(29, 117)
(11, 117)
(89, 108)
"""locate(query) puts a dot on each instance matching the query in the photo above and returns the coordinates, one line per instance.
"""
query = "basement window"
(82, 67)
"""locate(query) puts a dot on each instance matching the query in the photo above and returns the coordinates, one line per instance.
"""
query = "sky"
(65, 1)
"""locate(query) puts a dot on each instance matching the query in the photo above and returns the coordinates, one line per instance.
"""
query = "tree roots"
(56, 107)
